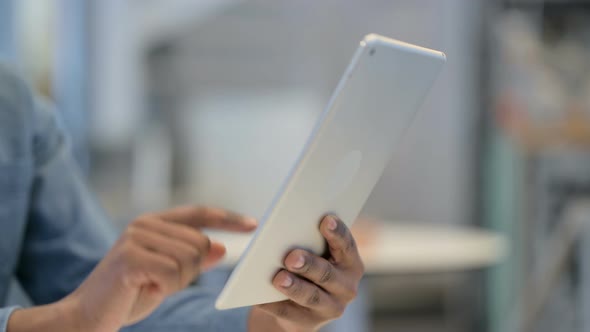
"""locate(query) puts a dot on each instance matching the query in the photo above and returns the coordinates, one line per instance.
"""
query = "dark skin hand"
(161, 253)
(319, 289)
(157, 255)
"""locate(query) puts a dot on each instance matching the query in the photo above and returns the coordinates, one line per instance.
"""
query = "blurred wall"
(265, 48)
(6, 29)
(432, 177)
(267, 60)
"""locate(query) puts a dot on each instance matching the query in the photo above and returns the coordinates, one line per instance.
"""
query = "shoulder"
(16, 112)
(16, 99)
(12, 84)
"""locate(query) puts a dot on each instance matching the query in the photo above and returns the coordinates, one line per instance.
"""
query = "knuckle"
(128, 241)
(207, 242)
(143, 220)
(338, 310)
(314, 298)
(126, 251)
(327, 275)
(192, 235)
(350, 245)
(309, 265)
(351, 293)
(127, 265)
(206, 212)
(282, 310)
(184, 254)
(231, 218)
(195, 256)
(201, 210)
(128, 235)
(171, 272)
(131, 233)
(297, 289)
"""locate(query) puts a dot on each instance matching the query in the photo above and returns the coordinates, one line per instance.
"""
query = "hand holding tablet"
(354, 139)
(319, 289)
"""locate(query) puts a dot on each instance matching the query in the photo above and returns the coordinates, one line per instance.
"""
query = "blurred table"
(394, 247)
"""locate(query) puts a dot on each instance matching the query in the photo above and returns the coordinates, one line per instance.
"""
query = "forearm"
(59, 317)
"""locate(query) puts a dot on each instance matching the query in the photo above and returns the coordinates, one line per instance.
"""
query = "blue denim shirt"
(52, 232)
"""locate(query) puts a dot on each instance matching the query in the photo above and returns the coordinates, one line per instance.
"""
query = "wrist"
(262, 321)
(73, 315)
(62, 316)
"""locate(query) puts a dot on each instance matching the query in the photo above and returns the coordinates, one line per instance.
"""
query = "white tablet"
(354, 138)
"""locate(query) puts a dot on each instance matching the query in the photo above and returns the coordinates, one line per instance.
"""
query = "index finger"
(209, 217)
(341, 243)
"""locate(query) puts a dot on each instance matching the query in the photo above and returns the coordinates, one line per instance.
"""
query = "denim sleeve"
(67, 234)
(192, 310)
(4, 315)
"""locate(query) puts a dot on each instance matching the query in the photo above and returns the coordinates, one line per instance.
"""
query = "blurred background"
(478, 224)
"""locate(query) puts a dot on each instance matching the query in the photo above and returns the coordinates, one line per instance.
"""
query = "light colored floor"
(419, 324)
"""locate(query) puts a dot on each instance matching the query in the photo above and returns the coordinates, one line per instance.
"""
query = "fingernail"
(249, 221)
(332, 224)
(287, 282)
(299, 262)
